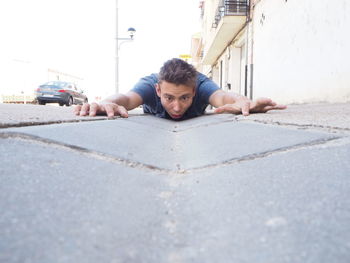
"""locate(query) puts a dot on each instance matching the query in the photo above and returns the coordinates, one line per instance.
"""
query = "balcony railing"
(230, 8)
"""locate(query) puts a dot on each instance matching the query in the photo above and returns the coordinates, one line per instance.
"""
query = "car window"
(55, 83)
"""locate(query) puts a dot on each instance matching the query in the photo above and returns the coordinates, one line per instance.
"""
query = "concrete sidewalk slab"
(14, 115)
(275, 209)
(59, 205)
(173, 147)
(323, 115)
(219, 188)
(327, 115)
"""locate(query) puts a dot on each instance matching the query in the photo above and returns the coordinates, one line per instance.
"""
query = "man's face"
(176, 99)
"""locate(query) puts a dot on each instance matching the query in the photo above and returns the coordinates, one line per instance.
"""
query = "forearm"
(120, 99)
(129, 101)
(231, 97)
(221, 98)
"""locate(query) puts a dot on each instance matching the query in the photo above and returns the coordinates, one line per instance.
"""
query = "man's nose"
(177, 106)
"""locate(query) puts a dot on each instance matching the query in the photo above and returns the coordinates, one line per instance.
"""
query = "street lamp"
(131, 32)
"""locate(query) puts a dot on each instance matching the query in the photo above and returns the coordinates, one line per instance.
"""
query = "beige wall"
(230, 54)
(210, 7)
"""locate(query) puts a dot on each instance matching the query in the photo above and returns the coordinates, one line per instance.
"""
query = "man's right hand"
(105, 108)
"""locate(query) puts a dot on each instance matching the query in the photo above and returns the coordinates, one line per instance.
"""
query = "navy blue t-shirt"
(152, 104)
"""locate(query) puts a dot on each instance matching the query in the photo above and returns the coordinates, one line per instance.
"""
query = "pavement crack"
(81, 119)
(34, 123)
(83, 151)
(254, 156)
(175, 126)
(324, 128)
(178, 171)
(203, 125)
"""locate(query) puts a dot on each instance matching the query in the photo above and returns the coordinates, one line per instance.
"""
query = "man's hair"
(178, 72)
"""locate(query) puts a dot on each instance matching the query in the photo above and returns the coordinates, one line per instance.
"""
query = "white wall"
(216, 74)
(301, 50)
(235, 70)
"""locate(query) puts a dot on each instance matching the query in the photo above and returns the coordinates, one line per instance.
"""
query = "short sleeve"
(146, 89)
(206, 87)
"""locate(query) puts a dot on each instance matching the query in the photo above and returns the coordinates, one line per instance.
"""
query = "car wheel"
(41, 102)
(61, 104)
(70, 102)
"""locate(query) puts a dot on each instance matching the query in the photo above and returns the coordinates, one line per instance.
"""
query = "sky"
(77, 37)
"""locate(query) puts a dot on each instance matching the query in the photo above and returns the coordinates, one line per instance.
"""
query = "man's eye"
(168, 98)
(185, 98)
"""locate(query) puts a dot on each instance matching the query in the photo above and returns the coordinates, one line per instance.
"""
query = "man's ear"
(157, 86)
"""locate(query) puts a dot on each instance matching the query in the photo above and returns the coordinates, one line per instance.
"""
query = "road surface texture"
(269, 187)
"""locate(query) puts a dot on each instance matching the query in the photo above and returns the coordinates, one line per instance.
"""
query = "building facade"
(291, 51)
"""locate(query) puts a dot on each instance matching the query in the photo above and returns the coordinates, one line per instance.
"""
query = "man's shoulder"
(145, 84)
(146, 89)
(151, 79)
(201, 76)
(205, 88)
(205, 83)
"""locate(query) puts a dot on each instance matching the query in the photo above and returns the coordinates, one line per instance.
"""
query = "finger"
(276, 107)
(245, 108)
(110, 109)
(93, 109)
(229, 108)
(77, 109)
(265, 101)
(85, 109)
(280, 107)
(122, 112)
(219, 110)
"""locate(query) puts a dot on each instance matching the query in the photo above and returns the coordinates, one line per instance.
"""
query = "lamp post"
(131, 32)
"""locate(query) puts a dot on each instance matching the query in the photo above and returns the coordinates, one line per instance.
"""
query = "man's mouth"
(174, 116)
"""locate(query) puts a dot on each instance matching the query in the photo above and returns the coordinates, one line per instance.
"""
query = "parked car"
(61, 92)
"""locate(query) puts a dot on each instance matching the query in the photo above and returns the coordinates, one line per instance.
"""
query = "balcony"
(230, 17)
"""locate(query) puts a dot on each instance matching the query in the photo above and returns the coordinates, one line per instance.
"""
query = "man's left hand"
(245, 106)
